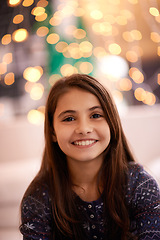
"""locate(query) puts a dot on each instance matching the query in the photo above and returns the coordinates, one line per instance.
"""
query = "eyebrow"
(73, 111)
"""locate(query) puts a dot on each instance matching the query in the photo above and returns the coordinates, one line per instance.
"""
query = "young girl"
(88, 186)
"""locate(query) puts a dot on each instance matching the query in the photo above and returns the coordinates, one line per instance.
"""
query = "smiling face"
(80, 127)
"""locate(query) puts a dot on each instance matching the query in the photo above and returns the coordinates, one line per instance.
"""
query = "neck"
(84, 178)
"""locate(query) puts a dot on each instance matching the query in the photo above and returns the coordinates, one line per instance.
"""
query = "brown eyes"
(70, 118)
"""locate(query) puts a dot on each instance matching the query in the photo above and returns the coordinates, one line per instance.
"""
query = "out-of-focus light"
(114, 49)
(114, 66)
(118, 96)
(68, 69)
(13, 3)
(37, 11)
(131, 56)
(6, 39)
(18, 19)
(3, 68)
(61, 47)
(55, 20)
(158, 51)
(42, 3)
(125, 84)
(79, 12)
(86, 67)
(7, 58)
(74, 50)
(158, 18)
(155, 37)
(35, 117)
(41, 18)
(53, 38)
(140, 94)
(150, 99)
(41, 109)
(79, 33)
(37, 91)
(96, 14)
(42, 31)
(154, 11)
(85, 47)
(32, 74)
(20, 35)
(133, 1)
(136, 75)
(27, 3)
(53, 79)
(99, 52)
(1, 109)
(9, 78)
(121, 20)
(28, 86)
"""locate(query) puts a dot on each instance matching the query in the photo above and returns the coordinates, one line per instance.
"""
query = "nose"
(83, 127)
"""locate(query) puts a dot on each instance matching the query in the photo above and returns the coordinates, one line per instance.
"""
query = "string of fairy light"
(102, 24)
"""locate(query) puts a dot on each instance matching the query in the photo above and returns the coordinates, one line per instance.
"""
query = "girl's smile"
(80, 127)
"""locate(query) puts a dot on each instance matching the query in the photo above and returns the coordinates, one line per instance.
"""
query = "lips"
(84, 142)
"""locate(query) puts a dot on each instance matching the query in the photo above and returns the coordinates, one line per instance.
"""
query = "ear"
(54, 138)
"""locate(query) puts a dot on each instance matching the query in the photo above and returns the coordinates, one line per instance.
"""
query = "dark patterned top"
(142, 197)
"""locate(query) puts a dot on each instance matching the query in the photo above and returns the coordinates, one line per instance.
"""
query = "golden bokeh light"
(114, 48)
(3, 68)
(37, 91)
(61, 47)
(131, 56)
(9, 78)
(96, 14)
(140, 94)
(86, 67)
(42, 31)
(7, 58)
(20, 35)
(52, 38)
(42, 3)
(18, 19)
(6, 39)
(99, 52)
(154, 11)
(79, 33)
(150, 99)
(37, 11)
(117, 95)
(158, 78)
(53, 79)
(27, 3)
(35, 117)
(32, 74)
(136, 75)
(14, 3)
(41, 18)
(121, 20)
(124, 84)
(155, 37)
(68, 69)
(28, 86)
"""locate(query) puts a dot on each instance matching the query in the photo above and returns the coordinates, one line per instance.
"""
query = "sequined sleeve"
(36, 216)
(144, 204)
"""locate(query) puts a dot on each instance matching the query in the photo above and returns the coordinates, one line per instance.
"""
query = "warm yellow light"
(158, 51)
(99, 52)
(118, 96)
(127, 36)
(37, 91)
(114, 49)
(136, 35)
(9, 78)
(53, 38)
(61, 47)
(131, 56)
(37, 11)
(41, 17)
(28, 86)
(74, 50)
(3, 68)
(155, 37)
(6, 39)
(121, 20)
(158, 78)
(125, 84)
(55, 20)
(18, 19)
(7, 58)
(42, 3)
(53, 79)
(42, 31)
(79, 33)
(136, 75)
(133, 1)
(35, 117)
(86, 67)
(32, 74)
(150, 99)
(41, 109)
(154, 11)
(96, 14)
(140, 94)
(13, 3)
(85, 46)
(79, 12)
(20, 35)
(68, 69)
(158, 18)
(27, 3)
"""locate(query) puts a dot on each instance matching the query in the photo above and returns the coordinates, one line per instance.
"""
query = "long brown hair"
(113, 173)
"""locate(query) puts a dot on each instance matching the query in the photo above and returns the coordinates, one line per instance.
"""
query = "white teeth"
(84, 143)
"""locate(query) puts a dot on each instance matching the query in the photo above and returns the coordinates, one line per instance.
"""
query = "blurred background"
(116, 41)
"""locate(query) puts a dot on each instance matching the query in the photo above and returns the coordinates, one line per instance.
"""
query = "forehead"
(77, 97)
